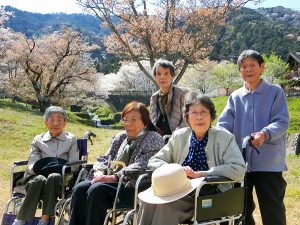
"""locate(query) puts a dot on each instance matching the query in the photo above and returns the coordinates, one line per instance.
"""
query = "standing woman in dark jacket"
(166, 104)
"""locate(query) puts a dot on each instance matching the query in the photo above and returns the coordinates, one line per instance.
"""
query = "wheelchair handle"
(88, 136)
(247, 141)
(117, 163)
(21, 163)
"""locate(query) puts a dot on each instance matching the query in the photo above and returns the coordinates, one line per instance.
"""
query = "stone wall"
(293, 144)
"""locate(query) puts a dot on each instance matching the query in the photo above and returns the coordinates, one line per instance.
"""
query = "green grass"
(19, 124)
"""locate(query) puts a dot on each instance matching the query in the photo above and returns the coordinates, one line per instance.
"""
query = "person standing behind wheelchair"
(166, 104)
(202, 150)
(54, 143)
(133, 147)
(260, 109)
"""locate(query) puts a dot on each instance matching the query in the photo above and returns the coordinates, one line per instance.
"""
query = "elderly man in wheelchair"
(43, 182)
(195, 153)
(133, 147)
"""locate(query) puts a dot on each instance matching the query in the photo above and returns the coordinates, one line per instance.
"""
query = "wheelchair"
(209, 209)
(226, 207)
(125, 206)
(17, 193)
(125, 199)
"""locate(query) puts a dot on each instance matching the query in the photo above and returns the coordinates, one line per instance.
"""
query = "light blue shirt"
(264, 109)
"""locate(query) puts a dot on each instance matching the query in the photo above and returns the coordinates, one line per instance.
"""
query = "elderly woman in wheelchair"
(199, 150)
(134, 147)
(53, 143)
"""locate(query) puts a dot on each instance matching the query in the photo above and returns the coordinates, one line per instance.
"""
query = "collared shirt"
(44, 145)
(264, 109)
(196, 157)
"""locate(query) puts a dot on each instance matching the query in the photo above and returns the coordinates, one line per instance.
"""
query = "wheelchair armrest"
(88, 166)
(76, 163)
(20, 163)
(133, 172)
(217, 179)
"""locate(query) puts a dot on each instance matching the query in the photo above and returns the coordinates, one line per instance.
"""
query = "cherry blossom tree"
(199, 77)
(182, 31)
(5, 33)
(51, 65)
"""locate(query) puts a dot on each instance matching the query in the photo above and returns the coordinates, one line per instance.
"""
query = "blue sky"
(70, 6)
(292, 4)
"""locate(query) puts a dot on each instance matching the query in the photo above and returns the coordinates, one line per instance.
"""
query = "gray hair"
(194, 97)
(250, 54)
(55, 109)
(165, 64)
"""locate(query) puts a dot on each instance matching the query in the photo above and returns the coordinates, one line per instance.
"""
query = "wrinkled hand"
(259, 138)
(104, 179)
(190, 173)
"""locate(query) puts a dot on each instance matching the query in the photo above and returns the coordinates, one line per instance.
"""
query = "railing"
(145, 93)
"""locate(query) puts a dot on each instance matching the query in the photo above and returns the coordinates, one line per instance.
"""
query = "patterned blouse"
(196, 159)
(145, 148)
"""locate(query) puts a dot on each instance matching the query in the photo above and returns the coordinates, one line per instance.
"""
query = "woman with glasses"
(133, 147)
(202, 150)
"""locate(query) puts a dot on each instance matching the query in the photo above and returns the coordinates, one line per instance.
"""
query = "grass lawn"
(19, 124)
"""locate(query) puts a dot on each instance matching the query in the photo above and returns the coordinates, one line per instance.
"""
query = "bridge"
(118, 99)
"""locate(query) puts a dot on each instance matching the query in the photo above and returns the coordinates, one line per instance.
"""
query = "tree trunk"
(44, 102)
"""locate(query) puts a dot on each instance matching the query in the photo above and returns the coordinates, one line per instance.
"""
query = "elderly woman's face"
(199, 119)
(163, 78)
(55, 124)
(133, 124)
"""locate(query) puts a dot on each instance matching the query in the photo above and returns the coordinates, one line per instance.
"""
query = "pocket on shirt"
(270, 153)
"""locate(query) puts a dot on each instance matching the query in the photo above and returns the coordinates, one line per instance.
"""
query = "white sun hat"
(169, 183)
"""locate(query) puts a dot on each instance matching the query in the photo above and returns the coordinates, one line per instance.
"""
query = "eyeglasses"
(247, 67)
(202, 113)
(131, 120)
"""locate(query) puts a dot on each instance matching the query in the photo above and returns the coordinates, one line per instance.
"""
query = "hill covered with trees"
(268, 30)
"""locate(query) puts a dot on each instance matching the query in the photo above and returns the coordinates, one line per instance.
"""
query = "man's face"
(55, 124)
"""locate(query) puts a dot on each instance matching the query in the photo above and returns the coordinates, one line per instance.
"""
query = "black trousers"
(270, 190)
(90, 202)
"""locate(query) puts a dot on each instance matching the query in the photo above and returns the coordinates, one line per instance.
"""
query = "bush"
(104, 111)
(83, 115)
(106, 121)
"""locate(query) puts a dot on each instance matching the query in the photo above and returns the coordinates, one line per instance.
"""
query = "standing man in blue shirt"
(260, 109)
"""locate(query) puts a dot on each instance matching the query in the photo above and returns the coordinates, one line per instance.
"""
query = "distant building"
(294, 62)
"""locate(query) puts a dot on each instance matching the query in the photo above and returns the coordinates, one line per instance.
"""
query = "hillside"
(19, 124)
(265, 29)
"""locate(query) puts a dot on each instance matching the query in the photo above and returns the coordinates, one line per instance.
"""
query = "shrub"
(83, 115)
(106, 120)
(104, 111)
